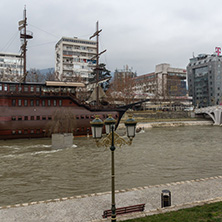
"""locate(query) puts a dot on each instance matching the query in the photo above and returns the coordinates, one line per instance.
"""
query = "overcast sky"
(137, 33)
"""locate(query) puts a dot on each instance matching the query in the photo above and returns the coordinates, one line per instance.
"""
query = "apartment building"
(11, 66)
(164, 83)
(75, 59)
(205, 80)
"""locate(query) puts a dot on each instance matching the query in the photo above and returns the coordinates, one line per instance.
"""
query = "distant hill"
(45, 71)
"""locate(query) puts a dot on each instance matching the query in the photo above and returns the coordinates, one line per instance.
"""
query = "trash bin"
(165, 198)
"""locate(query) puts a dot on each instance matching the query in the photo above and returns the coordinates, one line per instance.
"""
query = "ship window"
(82, 117)
(37, 117)
(92, 117)
(54, 102)
(37, 102)
(43, 102)
(32, 118)
(12, 88)
(77, 130)
(49, 102)
(13, 132)
(26, 88)
(13, 118)
(5, 87)
(87, 117)
(77, 117)
(25, 131)
(43, 118)
(19, 102)
(49, 118)
(19, 118)
(13, 102)
(60, 102)
(25, 102)
(32, 88)
(26, 118)
(19, 132)
(31, 102)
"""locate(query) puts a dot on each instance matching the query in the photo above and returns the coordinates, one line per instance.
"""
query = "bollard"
(165, 198)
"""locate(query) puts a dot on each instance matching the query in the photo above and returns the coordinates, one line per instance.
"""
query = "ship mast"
(97, 60)
(24, 36)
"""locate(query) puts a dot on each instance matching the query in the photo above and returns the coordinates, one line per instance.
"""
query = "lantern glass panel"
(131, 130)
(109, 128)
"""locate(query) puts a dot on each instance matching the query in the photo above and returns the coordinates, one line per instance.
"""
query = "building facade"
(205, 80)
(124, 74)
(11, 66)
(166, 82)
(75, 59)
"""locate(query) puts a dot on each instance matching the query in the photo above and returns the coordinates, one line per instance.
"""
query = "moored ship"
(26, 109)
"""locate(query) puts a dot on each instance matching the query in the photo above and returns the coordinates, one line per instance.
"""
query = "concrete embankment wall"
(146, 125)
(90, 207)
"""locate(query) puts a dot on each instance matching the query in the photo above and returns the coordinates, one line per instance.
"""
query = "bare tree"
(62, 122)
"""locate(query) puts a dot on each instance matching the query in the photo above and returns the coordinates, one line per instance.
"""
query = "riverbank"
(184, 194)
(169, 123)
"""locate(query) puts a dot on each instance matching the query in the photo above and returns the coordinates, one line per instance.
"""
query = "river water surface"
(30, 170)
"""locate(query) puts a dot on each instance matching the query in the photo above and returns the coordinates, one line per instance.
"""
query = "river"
(30, 170)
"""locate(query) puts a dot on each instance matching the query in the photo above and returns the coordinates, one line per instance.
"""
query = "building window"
(37, 102)
(5, 87)
(19, 102)
(26, 118)
(0, 87)
(19, 118)
(32, 131)
(19, 88)
(60, 102)
(49, 118)
(32, 88)
(32, 118)
(13, 118)
(49, 102)
(54, 102)
(12, 88)
(37, 117)
(43, 118)
(31, 102)
(26, 88)
(13, 102)
(19, 132)
(25, 131)
(38, 131)
(37, 89)
(25, 102)
(13, 132)
(43, 102)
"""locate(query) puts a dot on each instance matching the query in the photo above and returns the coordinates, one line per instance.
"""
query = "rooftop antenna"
(24, 36)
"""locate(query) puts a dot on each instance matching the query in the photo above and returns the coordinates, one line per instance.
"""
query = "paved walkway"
(90, 207)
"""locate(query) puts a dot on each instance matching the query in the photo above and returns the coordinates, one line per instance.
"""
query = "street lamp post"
(112, 139)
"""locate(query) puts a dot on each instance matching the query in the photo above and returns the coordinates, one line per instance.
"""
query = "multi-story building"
(124, 74)
(166, 82)
(75, 59)
(11, 66)
(205, 80)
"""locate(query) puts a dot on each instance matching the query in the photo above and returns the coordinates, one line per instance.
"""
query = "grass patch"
(206, 213)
